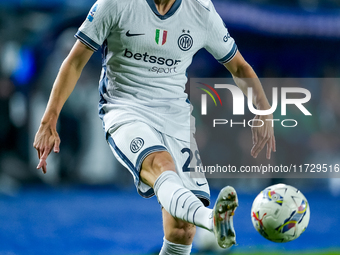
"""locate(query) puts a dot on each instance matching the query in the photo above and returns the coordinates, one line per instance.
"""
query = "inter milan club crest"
(136, 144)
(161, 36)
(185, 41)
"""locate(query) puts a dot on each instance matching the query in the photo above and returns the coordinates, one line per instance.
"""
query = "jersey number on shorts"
(186, 165)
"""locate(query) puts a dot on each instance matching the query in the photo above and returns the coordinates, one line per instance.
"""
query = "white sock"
(170, 248)
(180, 202)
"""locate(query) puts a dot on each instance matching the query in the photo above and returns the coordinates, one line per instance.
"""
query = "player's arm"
(244, 76)
(47, 137)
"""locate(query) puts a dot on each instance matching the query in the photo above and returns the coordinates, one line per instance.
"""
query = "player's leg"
(176, 230)
(142, 150)
(178, 235)
(158, 171)
(186, 156)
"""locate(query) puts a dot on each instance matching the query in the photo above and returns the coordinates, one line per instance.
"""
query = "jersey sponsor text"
(151, 59)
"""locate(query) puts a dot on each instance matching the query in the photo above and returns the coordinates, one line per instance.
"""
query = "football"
(280, 213)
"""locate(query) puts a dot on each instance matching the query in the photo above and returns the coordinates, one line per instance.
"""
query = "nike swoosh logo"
(200, 184)
(128, 34)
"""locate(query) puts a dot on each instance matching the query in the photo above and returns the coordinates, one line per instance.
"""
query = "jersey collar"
(172, 10)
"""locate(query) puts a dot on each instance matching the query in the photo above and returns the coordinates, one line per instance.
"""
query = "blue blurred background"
(87, 203)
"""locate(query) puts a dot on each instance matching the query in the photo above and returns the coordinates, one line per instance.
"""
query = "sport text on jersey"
(169, 64)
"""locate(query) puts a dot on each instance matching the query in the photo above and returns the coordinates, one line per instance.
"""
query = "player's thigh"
(176, 230)
(132, 143)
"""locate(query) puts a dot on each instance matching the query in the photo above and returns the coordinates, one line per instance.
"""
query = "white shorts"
(132, 142)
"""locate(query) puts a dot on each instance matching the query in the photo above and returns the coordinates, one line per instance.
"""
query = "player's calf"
(176, 230)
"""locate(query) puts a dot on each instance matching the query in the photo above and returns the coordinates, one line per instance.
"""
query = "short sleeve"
(98, 24)
(218, 41)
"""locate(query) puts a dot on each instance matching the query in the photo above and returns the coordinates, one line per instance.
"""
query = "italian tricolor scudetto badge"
(160, 37)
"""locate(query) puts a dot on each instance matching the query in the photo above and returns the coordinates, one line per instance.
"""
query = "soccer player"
(147, 46)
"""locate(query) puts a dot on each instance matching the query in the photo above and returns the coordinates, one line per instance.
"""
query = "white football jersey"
(146, 55)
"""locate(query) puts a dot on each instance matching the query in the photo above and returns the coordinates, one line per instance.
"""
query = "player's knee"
(162, 162)
(158, 162)
(181, 235)
(154, 164)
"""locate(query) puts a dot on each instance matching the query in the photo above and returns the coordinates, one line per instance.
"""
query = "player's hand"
(45, 140)
(262, 136)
